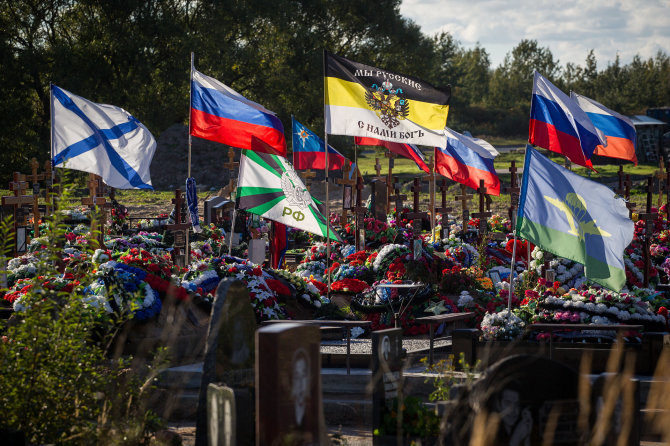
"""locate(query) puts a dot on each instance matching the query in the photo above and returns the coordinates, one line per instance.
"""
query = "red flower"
(663, 311)
(278, 287)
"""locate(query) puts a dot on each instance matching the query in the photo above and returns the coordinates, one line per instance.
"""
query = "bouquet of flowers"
(311, 268)
(386, 255)
(501, 326)
(349, 286)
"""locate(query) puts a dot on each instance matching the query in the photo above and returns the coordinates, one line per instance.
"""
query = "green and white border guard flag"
(268, 186)
(575, 218)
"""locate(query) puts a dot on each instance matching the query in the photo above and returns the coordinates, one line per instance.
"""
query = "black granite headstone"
(288, 385)
(530, 397)
(229, 357)
(387, 358)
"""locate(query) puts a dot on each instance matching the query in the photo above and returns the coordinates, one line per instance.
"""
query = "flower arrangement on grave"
(455, 279)
(501, 326)
(152, 223)
(497, 223)
(310, 290)
(568, 272)
(592, 305)
(349, 286)
(76, 214)
(460, 252)
(49, 286)
(309, 269)
(149, 241)
(118, 219)
(122, 288)
(353, 271)
(201, 278)
(22, 267)
(386, 255)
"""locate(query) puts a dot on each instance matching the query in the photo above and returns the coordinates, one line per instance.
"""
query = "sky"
(570, 29)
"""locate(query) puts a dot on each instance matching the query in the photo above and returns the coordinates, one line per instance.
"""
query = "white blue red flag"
(468, 160)
(616, 128)
(558, 124)
(101, 139)
(406, 150)
(219, 113)
(309, 153)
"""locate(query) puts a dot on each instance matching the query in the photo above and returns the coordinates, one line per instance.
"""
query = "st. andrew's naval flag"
(101, 139)
(370, 102)
(576, 218)
(268, 186)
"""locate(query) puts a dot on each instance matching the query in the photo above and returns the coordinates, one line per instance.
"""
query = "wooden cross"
(662, 176)
(19, 186)
(94, 199)
(620, 190)
(389, 178)
(630, 205)
(464, 198)
(35, 178)
(307, 176)
(649, 218)
(360, 214)
(443, 209)
(349, 184)
(231, 165)
(431, 185)
(416, 215)
(397, 198)
(378, 169)
(482, 214)
(514, 191)
(179, 228)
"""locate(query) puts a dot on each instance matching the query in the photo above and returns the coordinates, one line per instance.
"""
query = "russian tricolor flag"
(558, 124)
(617, 129)
(468, 160)
(309, 153)
(219, 113)
(407, 150)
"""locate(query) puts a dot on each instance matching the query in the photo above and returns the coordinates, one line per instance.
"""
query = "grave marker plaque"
(288, 385)
(387, 358)
(221, 416)
(379, 199)
(229, 358)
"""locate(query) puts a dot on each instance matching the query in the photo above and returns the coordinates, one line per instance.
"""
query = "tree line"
(135, 54)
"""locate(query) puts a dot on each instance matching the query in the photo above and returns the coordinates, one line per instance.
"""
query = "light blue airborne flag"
(575, 218)
(100, 139)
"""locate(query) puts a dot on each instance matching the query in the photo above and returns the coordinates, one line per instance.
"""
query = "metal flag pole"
(188, 175)
(51, 134)
(325, 134)
(432, 200)
(232, 224)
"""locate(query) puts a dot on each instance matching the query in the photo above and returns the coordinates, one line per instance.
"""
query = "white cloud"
(569, 28)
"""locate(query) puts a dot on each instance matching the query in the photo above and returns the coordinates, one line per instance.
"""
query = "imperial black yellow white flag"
(366, 101)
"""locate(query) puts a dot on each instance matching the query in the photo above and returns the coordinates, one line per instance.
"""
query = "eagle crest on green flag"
(268, 186)
(576, 218)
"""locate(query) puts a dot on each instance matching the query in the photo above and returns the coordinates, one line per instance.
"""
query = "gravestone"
(387, 358)
(256, 251)
(288, 385)
(379, 199)
(531, 396)
(210, 208)
(221, 416)
(229, 358)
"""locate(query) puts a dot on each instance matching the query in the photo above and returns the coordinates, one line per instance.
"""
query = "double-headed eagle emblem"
(295, 192)
(388, 103)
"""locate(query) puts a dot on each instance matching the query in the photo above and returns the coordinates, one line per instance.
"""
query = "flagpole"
(188, 175)
(325, 134)
(511, 276)
(432, 201)
(51, 134)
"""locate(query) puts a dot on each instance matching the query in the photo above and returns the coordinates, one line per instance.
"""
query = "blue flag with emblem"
(100, 139)
(575, 218)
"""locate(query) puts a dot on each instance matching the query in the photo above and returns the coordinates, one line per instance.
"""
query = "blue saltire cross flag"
(575, 218)
(100, 139)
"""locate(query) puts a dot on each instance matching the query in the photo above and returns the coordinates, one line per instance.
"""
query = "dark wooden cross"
(360, 214)
(620, 190)
(347, 184)
(179, 228)
(662, 176)
(416, 215)
(482, 215)
(397, 197)
(231, 165)
(464, 198)
(18, 186)
(630, 205)
(431, 189)
(95, 199)
(389, 178)
(444, 209)
(378, 169)
(307, 176)
(514, 191)
(35, 179)
(648, 217)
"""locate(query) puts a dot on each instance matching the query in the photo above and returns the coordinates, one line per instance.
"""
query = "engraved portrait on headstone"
(300, 383)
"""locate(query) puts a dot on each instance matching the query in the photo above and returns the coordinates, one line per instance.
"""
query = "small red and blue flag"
(468, 160)
(617, 129)
(309, 153)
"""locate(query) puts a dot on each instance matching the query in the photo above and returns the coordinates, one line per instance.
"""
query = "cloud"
(570, 29)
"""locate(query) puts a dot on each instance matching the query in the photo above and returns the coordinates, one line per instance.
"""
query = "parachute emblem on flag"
(574, 208)
(387, 104)
(296, 193)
